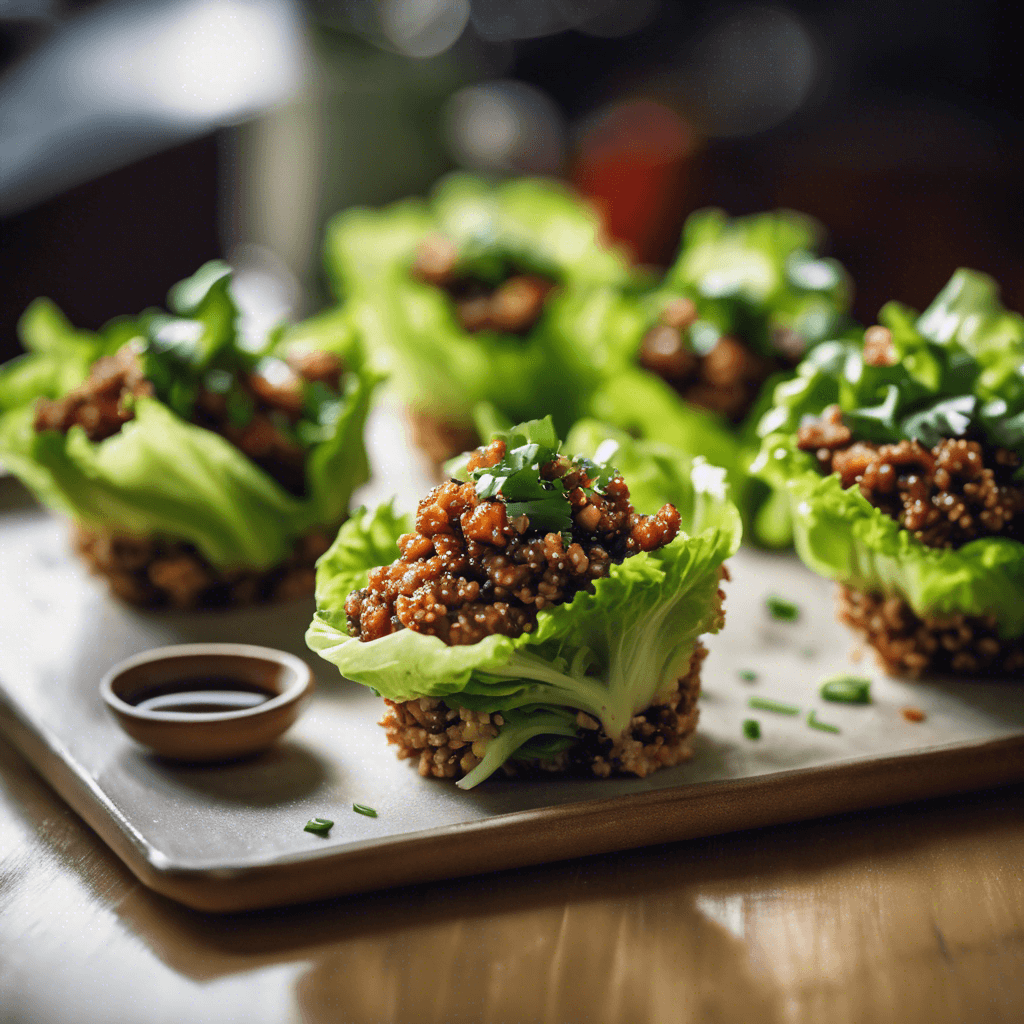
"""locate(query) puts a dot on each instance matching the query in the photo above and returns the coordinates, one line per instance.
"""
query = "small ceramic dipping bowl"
(207, 702)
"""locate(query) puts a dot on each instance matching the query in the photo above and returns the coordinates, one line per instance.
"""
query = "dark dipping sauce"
(204, 695)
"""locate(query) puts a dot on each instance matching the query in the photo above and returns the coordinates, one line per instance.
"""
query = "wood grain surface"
(911, 914)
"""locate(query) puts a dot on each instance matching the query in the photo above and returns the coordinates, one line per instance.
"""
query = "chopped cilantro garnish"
(319, 826)
(781, 609)
(517, 479)
(763, 704)
(363, 809)
(748, 675)
(847, 689)
(752, 729)
(812, 721)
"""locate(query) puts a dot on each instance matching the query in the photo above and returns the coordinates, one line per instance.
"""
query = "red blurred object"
(634, 163)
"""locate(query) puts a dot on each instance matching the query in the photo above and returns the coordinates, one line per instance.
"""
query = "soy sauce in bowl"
(207, 702)
(207, 695)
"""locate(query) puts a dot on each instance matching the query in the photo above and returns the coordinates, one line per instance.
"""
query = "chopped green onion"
(762, 704)
(847, 689)
(748, 675)
(752, 729)
(781, 609)
(812, 721)
(363, 809)
(320, 826)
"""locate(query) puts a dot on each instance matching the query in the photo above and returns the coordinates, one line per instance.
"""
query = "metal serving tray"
(230, 837)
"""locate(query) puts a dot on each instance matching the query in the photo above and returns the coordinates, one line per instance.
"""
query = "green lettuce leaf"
(762, 273)
(411, 327)
(161, 475)
(842, 536)
(57, 356)
(608, 654)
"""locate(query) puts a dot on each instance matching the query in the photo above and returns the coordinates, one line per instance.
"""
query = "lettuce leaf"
(762, 273)
(57, 356)
(842, 536)
(411, 327)
(609, 653)
(161, 475)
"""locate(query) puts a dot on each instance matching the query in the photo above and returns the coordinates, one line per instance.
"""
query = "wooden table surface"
(911, 914)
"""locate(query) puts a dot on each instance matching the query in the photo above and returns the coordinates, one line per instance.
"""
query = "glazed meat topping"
(103, 403)
(511, 307)
(468, 571)
(726, 380)
(946, 496)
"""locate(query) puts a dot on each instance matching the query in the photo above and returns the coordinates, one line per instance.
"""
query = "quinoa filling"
(257, 410)
(726, 379)
(156, 572)
(476, 566)
(510, 300)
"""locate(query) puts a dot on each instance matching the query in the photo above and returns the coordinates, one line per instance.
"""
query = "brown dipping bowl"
(214, 736)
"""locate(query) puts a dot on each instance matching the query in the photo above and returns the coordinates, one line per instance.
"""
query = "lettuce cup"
(529, 618)
(692, 362)
(196, 472)
(454, 296)
(903, 457)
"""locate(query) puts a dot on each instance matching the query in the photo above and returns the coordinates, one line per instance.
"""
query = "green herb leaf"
(844, 689)
(752, 729)
(319, 826)
(781, 609)
(812, 721)
(763, 704)
(517, 479)
(951, 417)
(876, 422)
(748, 675)
(363, 809)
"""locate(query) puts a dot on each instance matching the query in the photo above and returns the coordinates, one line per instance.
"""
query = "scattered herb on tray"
(781, 609)
(752, 729)
(763, 704)
(319, 826)
(812, 721)
(363, 809)
(844, 689)
(748, 675)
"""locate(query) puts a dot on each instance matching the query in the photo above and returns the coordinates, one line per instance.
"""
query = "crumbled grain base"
(449, 742)
(906, 644)
(150, 572)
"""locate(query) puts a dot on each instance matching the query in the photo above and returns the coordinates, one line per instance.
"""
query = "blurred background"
(139, 138)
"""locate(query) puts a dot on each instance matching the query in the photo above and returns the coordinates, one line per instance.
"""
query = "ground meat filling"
(155, 573)
(945, 496)
(908, 644)
(467, 571)
(103, 403)
(448, 742)
(512, 306)
(728, 379)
